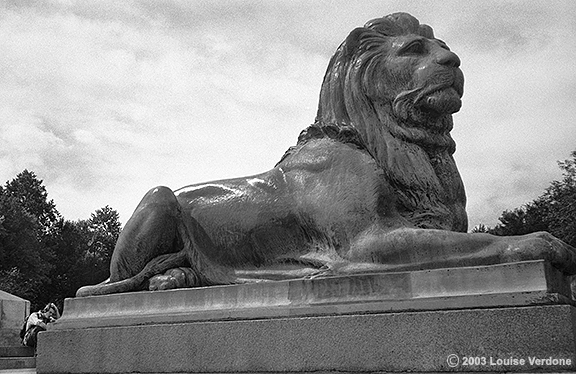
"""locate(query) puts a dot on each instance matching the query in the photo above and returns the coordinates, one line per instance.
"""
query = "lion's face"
(423, 79)
(393, 75)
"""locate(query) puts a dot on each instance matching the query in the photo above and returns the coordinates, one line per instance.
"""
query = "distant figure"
(37, 322)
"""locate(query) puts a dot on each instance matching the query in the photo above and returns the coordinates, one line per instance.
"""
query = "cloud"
(514, 124)
(104, 100)
(112, 105)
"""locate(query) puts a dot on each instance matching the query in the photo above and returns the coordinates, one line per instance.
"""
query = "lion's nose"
(448, 58)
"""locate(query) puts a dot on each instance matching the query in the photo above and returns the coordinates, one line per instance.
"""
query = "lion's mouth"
(439, 102)
(428, 104)
(443, 97)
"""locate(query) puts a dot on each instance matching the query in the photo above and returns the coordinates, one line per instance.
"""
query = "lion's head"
(398, 86)
(395, 72)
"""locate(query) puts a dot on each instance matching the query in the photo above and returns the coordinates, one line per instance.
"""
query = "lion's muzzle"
(444, 101)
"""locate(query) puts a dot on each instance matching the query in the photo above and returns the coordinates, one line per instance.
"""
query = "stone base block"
(349, 324)
(13, 310)
(391, 342)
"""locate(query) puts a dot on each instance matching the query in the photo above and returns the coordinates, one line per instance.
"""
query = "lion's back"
(324, 194)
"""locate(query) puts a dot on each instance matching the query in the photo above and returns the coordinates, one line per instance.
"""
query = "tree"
(67, 243)
(43, 257)
(32, 196)
(83, 250)
(560, 201)
(554, 211)
(482, 228)
(24, 264)
(103, 228)
(520, 221)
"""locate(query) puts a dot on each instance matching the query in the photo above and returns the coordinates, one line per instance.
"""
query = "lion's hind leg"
(180, 277)
(152, 231)
(139, 281)
(159, 237)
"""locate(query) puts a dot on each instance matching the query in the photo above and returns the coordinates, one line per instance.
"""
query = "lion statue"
(371, 186)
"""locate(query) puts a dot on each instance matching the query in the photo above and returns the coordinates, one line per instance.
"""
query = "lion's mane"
(416, 157)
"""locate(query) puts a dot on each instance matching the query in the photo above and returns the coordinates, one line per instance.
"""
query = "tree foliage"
(29, 191)
(102, 229)
(554, 211)
(44, 257)
(24, 262)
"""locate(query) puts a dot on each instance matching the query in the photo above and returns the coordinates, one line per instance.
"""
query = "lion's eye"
(416, 47)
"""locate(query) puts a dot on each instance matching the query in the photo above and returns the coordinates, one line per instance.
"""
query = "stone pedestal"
(13, 310)
(515, 317)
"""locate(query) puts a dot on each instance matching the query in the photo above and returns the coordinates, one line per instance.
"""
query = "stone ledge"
(16, 351)
(11, 363)
(517, 284)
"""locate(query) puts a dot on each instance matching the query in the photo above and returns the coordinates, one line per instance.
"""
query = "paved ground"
(18, 371)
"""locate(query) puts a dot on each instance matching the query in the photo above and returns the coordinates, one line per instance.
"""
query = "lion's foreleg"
(412, 249)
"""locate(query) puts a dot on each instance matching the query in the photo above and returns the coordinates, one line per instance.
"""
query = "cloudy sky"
(106, 99)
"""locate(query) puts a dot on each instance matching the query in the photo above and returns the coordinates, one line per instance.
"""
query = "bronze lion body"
(371, 186)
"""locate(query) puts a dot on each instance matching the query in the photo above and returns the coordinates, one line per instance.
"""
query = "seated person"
(37, 322)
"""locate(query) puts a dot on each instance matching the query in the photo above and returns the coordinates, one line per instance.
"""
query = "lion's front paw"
(540, 246)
